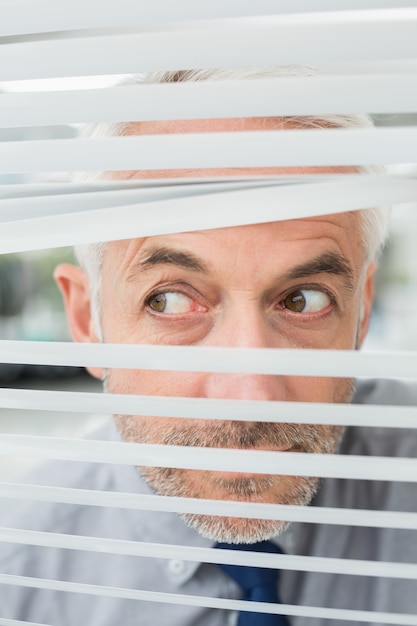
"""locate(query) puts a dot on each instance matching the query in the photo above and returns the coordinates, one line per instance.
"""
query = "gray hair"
(374, 221)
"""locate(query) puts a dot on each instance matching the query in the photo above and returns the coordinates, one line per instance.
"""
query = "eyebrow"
(328, 263)
(169, 256)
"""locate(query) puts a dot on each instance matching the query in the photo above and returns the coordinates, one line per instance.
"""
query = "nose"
(245, 329)
(244, 386)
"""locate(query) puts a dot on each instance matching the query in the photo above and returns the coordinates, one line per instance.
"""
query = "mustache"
(241, 435)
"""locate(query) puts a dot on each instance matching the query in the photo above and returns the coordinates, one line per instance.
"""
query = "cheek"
(154, 383)
(329, 390)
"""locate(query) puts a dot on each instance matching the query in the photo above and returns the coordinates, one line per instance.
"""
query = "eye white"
(315, 300)
(176, 302)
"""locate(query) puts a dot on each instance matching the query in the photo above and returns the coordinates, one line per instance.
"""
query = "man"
(304, 283)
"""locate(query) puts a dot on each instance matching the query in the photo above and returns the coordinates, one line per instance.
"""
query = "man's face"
(292, 284)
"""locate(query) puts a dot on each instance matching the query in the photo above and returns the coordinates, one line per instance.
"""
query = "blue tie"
(259, 584)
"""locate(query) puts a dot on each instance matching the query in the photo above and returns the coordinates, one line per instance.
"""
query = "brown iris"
(295, 301)
(158, 302)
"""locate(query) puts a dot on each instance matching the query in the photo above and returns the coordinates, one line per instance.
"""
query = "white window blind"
(367, 54)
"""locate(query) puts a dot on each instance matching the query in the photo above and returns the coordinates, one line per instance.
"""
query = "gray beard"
(293, 490)
(301, 490)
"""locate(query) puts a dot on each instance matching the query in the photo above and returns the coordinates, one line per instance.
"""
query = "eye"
(307, 301)
(172, 302)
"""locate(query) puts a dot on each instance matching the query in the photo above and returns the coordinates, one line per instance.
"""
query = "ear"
(367, 301)
(75, 289)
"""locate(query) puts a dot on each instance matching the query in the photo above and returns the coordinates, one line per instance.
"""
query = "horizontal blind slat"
(167, 504)
(349, 567)
(216, 459)
(341, 38)
(177, 213)
(389, 93)
(21, 195)
(22, 207)
(284, 148)
(31, 192)
(211, 409)
(13, 622)
(30, 202)
(19, 19)
(400, 619)
(55, 220)
(337, 363)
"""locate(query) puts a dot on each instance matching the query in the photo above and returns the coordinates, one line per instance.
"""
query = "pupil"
(157, 303)
(295, 302)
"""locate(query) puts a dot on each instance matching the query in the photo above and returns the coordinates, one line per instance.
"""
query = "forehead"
(249, 253)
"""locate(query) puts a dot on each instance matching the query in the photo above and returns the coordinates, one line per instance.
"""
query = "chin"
(266, 489)
(234, 529)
